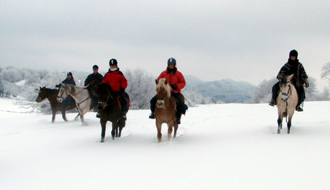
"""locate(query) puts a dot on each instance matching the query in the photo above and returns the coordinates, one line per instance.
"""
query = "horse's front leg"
(103, 128)
(169, 131)
(63, 115)
(53, 115)
(159, 130)
(279, 123)
(290, 115)
(176, 126)
(113, 131)
(120, 126)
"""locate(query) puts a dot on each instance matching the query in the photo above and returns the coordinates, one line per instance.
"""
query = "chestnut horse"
(165, 109)
(110, 110)
(51, 95)
(286, 102)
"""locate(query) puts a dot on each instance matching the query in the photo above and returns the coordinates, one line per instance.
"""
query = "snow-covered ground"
(227, 146)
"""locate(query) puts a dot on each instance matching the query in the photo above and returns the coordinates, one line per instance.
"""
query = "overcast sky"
(238, 39)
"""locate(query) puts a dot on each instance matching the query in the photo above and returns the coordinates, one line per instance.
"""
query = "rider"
(91, 83)
(293, 66)
(177, 82)
(69, 80)
(118, 83)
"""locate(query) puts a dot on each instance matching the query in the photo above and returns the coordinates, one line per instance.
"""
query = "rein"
(298, 81)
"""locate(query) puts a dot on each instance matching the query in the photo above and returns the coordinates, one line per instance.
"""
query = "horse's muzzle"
(59, 99)
(38, 100)
(160, 103)
(101, 105)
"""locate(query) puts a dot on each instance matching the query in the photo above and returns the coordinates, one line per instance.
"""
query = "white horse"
(286, 102)
(80, 95)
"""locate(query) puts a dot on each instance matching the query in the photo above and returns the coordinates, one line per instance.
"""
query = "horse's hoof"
(278, 131)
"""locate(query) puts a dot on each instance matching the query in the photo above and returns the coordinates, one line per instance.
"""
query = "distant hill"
(226, 90)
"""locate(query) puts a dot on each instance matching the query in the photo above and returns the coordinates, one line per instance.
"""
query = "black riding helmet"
(113, 62)
(171, 61)
(95, 67)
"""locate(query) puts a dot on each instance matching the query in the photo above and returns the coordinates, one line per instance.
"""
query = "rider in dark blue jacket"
(69, 80)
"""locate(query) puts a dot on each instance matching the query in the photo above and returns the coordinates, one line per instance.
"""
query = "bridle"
(288, 93)
(104, 103)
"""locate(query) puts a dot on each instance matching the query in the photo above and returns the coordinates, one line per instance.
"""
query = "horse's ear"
(289, 77)
(156, 81)
(165, 81)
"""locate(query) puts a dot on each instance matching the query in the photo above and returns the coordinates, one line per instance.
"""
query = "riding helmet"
(293, 53)
(171, 61)
(95, 67)
(69, 73)
(113, 62)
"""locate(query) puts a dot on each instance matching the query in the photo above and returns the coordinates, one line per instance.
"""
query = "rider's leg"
(275, 90)
(153, 102)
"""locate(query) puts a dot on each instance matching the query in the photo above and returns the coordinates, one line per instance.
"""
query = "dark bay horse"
(51, 95)
(286, 102)
(165, 109)
(110, 110)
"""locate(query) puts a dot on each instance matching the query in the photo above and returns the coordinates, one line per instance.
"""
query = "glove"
(122, 90)
(57, 86)
(174, 87)
(306, 83)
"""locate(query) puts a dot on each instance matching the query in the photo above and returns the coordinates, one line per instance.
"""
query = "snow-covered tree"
(141, 88)
(326, 72)
(263, 91)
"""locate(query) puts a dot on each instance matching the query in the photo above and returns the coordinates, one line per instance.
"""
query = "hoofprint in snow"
(226, 146)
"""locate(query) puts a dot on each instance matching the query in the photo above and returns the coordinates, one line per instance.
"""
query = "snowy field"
(227, 146)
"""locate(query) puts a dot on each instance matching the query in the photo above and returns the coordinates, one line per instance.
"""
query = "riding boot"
(275, 90)
(153, 102)
(301, 97)
(152, 115)
(98, 113)
(178, 117)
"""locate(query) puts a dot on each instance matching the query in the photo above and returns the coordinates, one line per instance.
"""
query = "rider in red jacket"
(118, 83)
(177, 82)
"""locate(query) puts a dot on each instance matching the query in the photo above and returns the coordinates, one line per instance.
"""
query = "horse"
(287, 101)
(165, 109)
(80, 95)
(110, 110)
(51, 95)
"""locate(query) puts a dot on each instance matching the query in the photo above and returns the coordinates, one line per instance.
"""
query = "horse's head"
(42, 94)
(163, 90)
(104, 94)
(286, 87)
(63, 92)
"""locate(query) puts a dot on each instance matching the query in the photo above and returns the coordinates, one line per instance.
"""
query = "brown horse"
(51, 95)
(286, 102)
(165, 109)
(110, 110)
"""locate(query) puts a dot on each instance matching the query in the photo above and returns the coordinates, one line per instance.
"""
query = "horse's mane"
(70, 88)
(162, 83)
(51, 91)
(284, 79)
(104, 89)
